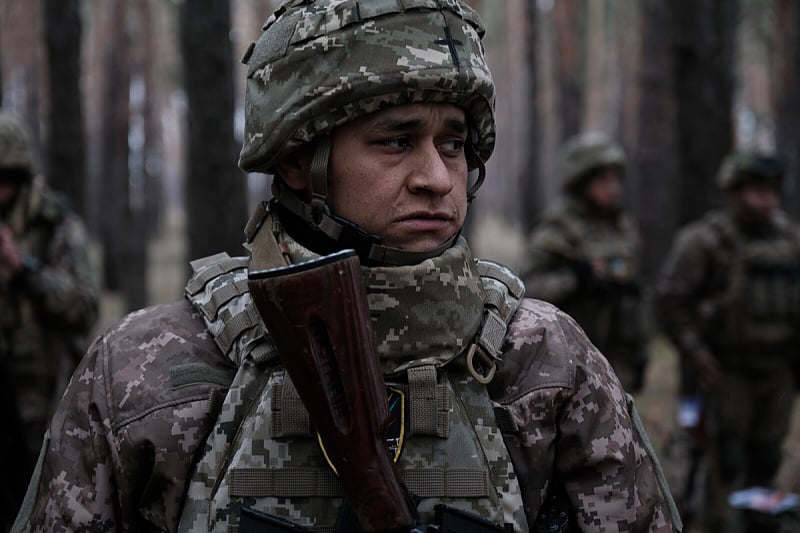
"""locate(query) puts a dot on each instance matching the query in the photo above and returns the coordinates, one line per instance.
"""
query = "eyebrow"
(399, 125)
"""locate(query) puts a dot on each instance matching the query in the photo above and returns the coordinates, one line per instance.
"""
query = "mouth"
(428, 220)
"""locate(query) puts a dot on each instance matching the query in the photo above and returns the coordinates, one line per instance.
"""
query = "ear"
(295, 169)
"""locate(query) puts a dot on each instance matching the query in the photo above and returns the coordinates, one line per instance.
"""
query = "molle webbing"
(208, 268)
(222, 296)
(429, 403)
(290, 417)
(220, 283)
(429, 406)
(504, 292)
(309, 482)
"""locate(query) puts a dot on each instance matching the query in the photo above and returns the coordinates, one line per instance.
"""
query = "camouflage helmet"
(586, 152)
(741, 168)
(322, 63)
(16, 149)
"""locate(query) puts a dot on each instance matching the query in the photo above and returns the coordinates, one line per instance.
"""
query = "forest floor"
(657, 402)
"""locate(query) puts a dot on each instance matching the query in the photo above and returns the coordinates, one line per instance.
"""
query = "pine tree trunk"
(216, 192)
(704, 44)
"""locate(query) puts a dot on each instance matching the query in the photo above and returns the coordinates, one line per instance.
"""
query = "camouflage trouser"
(748, 418)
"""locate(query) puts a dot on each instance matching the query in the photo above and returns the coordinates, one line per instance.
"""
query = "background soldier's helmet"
(16, 149)
(741, 168)
(583, 154)
(323, 63)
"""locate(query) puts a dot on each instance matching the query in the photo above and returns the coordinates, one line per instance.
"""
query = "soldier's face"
(401, 173)
(756, 202)
(604, 190)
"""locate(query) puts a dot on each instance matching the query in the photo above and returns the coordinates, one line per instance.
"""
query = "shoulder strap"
(504, 293)
(218, 290)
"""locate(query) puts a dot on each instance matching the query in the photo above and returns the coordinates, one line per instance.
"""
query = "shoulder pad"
(218, 290)
(504, 293)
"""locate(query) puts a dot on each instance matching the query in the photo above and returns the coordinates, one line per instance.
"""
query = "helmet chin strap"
(331, 232)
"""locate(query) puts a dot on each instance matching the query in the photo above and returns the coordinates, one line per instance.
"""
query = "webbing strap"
(308, 482)
(290, 417)
(283, 482)
(221, 296)
(496, 296)
(500, 272)
(193, 373)
(234, 327)
(492, 333)
(429, 403)
(447, 483)
(215, 265)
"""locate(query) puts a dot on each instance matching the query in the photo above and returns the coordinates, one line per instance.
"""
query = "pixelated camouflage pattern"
(45, 313)
(559, 253)
(575, 428)
(16, 146)
(586, 152)
(426, 313)
(435, 288)
(122, 411)
(324, 63)
(739, 168)
(303, 489)
(734, 289)
(126, 435)
(431, 326)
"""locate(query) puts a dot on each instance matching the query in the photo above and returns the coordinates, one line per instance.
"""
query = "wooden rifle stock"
(318, 317)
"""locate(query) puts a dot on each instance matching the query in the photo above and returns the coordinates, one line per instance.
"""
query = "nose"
(429, 171)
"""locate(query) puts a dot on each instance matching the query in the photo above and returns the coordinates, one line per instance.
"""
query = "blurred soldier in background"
(729, 298)
(583, 255)
(48, 301)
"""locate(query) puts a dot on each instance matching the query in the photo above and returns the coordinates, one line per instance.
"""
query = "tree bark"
(123, 235)
(570, 50)
(65, 146)
(530, 181)
(787, 97)
(654, 169)
(704, 46)
(216, 193)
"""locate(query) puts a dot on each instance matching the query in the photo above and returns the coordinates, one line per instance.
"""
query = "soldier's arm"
(678, 289)
(123, 441)
(549, 266)
(575, 430)
(64, 281)
(73, 487)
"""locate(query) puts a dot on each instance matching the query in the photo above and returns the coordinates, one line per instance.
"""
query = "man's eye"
(454, 146)
(398, 142)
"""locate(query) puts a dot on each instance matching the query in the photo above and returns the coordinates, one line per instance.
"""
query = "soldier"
(583, 255)
(48, 302)
(729, 298)
(370, 115)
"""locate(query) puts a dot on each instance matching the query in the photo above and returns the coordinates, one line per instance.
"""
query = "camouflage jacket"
(122, 447)
(588, 266)
(734, 289)
(48, 308)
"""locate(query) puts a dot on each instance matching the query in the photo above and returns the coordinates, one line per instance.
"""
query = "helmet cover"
(323, 63)
(586, 152)
(16, 148)
(742, 168)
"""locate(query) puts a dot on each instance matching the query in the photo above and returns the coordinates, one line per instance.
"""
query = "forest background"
(137, 108)
(138, 104)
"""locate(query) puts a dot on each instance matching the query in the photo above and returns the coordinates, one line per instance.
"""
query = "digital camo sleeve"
(72, 488)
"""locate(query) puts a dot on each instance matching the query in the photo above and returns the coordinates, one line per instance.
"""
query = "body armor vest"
(264, 453)
(760, 299)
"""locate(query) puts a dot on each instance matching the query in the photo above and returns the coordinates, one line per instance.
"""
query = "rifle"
(318, 316)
